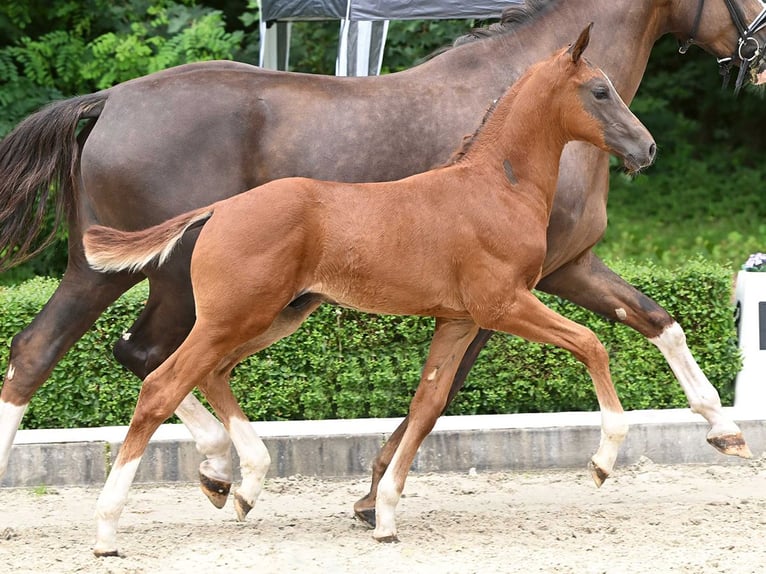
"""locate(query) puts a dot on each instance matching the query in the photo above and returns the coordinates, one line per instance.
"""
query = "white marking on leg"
(614, 428)
(253, 457)
(385, 503)
(210, 437)
(126, 336)
(11, 372)
(432, 375)
(110, 504)
(702, 396)
(10, 419)
(621, 314)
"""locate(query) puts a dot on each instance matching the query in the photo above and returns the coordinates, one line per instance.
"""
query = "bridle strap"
(746, 37)
(683, 48)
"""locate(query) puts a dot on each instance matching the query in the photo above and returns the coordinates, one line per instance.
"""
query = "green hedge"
(347, 364)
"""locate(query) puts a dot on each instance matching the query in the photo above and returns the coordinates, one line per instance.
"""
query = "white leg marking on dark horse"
(702, 396)
(620, 313)
(110, 504)
(126, 336)
(10, 419)
(11, 372)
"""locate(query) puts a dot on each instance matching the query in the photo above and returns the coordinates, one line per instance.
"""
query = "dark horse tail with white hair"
(38, 171)
(109, 250)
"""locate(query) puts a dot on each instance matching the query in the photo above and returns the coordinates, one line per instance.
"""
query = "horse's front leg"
(364, 509)
(588, 282)
(527, 317)
(449, 343)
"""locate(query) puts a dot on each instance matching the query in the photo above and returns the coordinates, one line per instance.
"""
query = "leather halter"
(749, 50)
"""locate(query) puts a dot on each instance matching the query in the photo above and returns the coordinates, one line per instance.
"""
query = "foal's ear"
(579, 46)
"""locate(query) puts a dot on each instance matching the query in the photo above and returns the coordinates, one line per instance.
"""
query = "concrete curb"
(337, 448)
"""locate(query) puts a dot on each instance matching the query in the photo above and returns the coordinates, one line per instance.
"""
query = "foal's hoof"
(367, 516)
(731, 444)
(599, 474)
(105, 553)
(216, 490)
(388, 539)
(242, 507)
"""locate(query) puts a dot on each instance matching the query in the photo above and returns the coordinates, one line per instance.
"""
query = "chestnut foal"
(464, 243)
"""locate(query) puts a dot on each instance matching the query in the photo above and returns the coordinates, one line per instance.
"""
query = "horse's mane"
(512, 17)
(469, 140)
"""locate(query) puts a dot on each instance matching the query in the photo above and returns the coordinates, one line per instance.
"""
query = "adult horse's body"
(464, 243)
(165, 143)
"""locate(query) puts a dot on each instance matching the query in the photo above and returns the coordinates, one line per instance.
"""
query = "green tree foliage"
(701, 198)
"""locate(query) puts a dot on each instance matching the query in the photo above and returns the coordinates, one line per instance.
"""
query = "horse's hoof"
(242, 507)
(389, 539)
(599, 474)
(216, 490)
(731, 444)
(105, 553)
(367, 516)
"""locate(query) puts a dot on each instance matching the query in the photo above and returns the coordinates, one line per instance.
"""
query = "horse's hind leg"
(81, 296)
(162, 325)
(364, 509)
(589, 283)
(253, 456)
(448, 346)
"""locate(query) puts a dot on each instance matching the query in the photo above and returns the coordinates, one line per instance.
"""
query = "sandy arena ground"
(647, 518)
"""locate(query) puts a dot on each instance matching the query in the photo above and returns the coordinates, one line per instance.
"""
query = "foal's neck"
(526, 131)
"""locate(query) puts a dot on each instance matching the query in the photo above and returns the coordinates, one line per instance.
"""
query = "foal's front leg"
(450, 340)
(588, 282)
(534, 321)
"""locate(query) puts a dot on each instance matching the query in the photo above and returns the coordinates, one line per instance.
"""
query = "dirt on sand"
(647, 518)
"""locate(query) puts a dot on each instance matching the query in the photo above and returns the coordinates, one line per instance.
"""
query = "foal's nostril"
(652, 151)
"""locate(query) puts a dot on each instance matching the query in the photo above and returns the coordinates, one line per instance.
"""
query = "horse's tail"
(38, 170)
(108, 249)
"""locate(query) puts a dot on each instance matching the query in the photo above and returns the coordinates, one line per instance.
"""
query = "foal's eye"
(601, 93)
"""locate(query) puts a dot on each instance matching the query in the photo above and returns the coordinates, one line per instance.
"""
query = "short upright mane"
(468, 141)
(512, 16)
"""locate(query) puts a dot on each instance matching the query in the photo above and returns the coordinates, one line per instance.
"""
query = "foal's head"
(593, 111)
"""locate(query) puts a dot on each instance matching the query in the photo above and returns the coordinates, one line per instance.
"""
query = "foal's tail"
(109, 249)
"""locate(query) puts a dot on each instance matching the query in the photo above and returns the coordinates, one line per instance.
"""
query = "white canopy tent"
(363, 26)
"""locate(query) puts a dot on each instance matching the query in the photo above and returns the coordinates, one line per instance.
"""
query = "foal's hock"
(464, 243)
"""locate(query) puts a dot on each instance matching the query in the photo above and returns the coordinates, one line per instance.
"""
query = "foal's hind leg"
(365, 507)
(163, 324)
(448, 345)
(253, 456)
(161, 393)
(589, 283)
(536, 322)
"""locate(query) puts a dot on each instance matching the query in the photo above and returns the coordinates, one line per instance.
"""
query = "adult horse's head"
(709, 25)
(605, 120)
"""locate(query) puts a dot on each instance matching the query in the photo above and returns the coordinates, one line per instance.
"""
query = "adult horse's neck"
(623, 36)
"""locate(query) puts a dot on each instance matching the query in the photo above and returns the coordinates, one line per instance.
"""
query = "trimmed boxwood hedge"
(344, 364)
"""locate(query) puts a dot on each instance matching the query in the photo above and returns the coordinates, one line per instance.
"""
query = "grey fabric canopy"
(357, 10)
(363, 28)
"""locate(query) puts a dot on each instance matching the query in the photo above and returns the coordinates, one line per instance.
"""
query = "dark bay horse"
(464, 243)
(157, 146)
